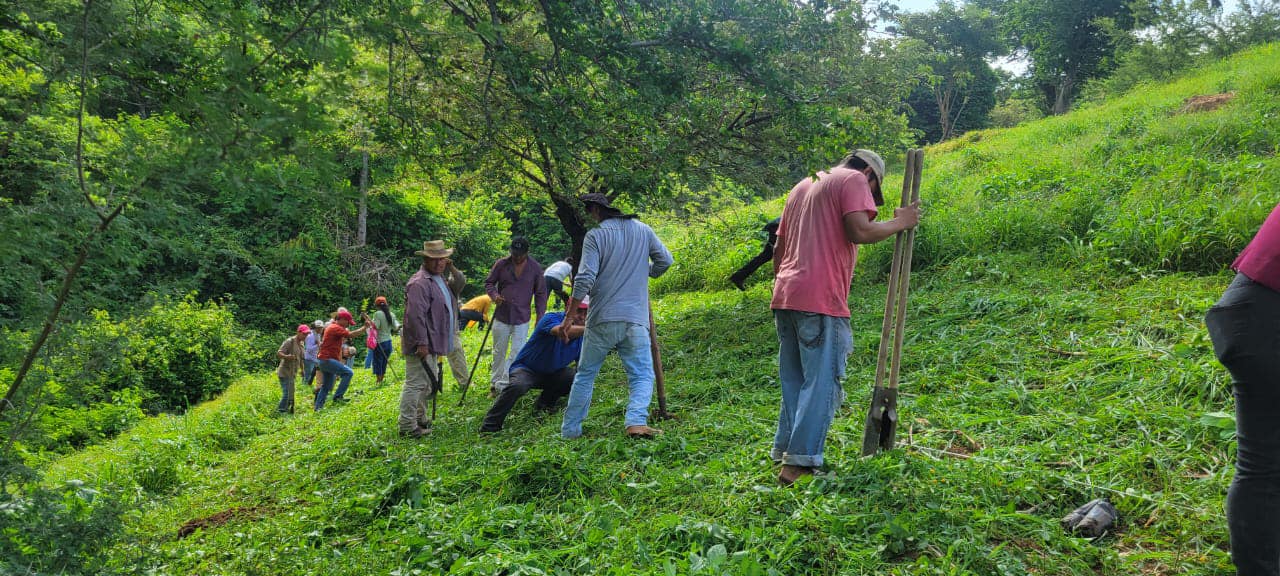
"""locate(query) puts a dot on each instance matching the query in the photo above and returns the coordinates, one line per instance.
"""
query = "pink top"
(816, 262)
(1260, 260)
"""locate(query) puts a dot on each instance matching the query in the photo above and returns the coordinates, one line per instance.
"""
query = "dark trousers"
(556, 287)
(553, 386)
(1245, 328)
(472, 316)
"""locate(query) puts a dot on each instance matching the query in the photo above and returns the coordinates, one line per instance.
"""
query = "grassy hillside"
(1054, 354)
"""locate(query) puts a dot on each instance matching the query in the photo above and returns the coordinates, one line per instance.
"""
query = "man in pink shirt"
(823, 221)
(1245, 328)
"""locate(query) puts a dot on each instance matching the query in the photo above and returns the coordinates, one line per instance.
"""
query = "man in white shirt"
(556, 276)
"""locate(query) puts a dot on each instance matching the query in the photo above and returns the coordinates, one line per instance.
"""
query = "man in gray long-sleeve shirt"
(618, 258)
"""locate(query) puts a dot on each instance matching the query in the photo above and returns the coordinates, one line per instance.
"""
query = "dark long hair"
(386, 312)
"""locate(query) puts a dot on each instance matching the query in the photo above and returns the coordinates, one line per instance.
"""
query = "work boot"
(416, 433)
(789, 474)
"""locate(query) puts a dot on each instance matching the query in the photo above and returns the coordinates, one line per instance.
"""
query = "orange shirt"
(331, 348)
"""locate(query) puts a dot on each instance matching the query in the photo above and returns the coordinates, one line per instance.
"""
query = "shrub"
(57, 530)
(103, 375)
(186, 352)
(156, 469)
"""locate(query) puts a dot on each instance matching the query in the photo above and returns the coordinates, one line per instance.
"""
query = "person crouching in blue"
(543, 363)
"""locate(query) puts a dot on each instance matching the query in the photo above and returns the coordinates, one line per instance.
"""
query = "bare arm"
(777, 253)
(859, 228)
(574, 332)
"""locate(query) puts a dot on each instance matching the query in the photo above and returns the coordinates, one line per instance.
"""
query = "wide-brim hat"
(598, 199)
(434, 249)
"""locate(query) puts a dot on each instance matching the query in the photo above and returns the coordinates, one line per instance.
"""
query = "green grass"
(1055, 353)
(989, 375)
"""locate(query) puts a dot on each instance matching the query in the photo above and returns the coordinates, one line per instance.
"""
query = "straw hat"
(434, 249)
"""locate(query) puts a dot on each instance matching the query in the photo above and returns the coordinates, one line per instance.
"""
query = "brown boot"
(789, 474)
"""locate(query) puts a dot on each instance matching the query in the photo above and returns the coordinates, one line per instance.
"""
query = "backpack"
(371, 340)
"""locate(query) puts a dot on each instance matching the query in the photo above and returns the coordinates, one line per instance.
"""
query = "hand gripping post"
(882, 417)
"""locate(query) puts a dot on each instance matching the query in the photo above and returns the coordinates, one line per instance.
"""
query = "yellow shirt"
(479, 304)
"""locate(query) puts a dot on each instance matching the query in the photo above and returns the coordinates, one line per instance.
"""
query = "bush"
(101, 375)
(56, 530)
(157, 473)
(186, 352)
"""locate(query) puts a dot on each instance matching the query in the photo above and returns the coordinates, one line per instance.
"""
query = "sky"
(921, 5)
(1017, 67)
(915, 5)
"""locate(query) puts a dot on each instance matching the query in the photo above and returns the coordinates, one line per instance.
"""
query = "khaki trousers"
(416, 392)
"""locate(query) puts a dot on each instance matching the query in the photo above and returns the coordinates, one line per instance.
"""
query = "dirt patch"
(1205, 103)
(215, 520)
(961, 444)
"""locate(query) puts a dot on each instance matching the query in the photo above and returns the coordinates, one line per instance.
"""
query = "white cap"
(873, 160)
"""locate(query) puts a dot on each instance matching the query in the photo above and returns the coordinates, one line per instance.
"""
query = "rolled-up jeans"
(329, 369)
(812, 350)
(632, 343)
(1245, 328)
(503, 335)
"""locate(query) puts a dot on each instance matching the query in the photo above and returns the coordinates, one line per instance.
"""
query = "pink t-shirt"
(1260, 260)
(817, 261)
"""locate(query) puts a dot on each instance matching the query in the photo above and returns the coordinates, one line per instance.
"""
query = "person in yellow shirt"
(476, 310)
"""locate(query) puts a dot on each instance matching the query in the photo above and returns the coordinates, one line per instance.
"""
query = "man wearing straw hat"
(823, 221)
(428, 331)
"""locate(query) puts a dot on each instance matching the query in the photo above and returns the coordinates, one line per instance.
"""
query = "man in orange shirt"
(331, 364)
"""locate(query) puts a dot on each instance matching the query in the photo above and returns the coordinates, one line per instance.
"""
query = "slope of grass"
(1054, 354)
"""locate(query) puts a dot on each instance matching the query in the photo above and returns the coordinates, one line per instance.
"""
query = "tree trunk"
(1062, 101)
(569, 212)
(363, 218)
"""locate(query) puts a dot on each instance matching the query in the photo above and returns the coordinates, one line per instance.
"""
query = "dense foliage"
(104, 375)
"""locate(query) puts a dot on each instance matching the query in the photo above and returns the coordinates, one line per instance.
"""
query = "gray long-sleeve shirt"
(618, 258)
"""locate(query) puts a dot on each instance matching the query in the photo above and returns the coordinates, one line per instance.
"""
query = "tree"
(635, 98)
(959, 90)
(1067, 42)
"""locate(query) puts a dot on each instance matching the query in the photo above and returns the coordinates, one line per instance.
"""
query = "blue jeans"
(309, 370)
(330, 368)
(632, 343)
(1245, 328)
(286, 395)
(812, 349)
(379, 357)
